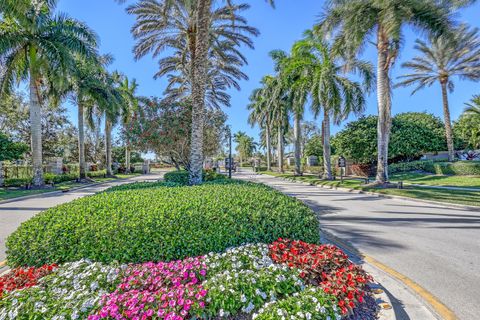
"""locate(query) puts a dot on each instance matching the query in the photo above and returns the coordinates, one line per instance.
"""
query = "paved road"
(437, 247)
(12, 214)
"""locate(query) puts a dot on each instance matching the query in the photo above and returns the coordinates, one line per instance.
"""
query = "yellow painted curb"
(441, 309)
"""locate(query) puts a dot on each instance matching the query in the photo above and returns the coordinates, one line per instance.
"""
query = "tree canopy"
(413, 134)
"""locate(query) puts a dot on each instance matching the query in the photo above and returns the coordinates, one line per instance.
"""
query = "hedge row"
(461, 168)
(160, 224)
(52, 178)
(182, 177)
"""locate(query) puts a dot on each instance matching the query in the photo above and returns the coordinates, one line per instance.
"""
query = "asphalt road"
(12, 214)
(437, 247)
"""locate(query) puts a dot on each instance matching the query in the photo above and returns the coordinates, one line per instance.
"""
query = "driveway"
(12, 214)
(437, 247)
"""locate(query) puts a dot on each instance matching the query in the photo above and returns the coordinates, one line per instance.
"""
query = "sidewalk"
(14, 212)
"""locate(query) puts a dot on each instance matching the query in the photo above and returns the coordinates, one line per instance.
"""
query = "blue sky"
(279, 28)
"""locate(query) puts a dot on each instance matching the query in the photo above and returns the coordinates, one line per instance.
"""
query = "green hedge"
(160, 223)
(181, 177)
(460, 168)
(17, 182)
(420, 165)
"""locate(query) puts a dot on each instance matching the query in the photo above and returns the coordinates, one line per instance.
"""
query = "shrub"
(58, 178)
(461, 168)
(96, 174)
(17, 182)
(160, 224)
(421, 165)
(181, 177)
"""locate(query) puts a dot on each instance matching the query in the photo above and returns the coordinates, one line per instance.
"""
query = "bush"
(17, 182)
(181, 177)
(141, 185)
(96, 174)
(58, 178)
(420, 165)
(160, 224)
(461, 168)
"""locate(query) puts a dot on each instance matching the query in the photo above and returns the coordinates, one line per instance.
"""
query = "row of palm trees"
(58, 57)
(317, 69)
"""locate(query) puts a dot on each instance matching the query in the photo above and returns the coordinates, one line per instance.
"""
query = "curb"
(433, 308)
(381, 195)
(60, 191)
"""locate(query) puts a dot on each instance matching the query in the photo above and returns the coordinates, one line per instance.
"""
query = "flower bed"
(284, 280)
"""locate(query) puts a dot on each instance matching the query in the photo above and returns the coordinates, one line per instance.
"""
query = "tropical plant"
(35, 44)
(128, 90)
(205, 58)
(352, 23)
(246, 145)
(441, 59)
(331, 90)
(260, 113)
(467, 127)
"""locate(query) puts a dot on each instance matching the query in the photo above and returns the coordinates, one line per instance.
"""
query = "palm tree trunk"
(36, 130)
(81, 141)
(298, 136)
(198, 90)
(280, 149)
(127, 158)
(269, 147)
(448, 123)
(108, 146)
(384, 107)
(327, 162)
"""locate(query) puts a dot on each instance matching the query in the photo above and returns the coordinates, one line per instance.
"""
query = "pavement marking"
(441, 309)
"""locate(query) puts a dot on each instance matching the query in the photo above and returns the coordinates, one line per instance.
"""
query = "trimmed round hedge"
(160, 224)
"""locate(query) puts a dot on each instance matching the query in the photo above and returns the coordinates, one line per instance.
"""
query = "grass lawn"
(15, 193)
(450, 196)
(437, 180)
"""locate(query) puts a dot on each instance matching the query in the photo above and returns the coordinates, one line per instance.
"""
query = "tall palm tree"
(295, 86)
(351, 23)
(326, 74)
(128, 90)
(87, 88)
(195, 27)
(35, 45)
(260, 114)
(441, 59)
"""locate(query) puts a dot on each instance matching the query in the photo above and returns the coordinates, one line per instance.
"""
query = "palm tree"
(194, 27)
(295, 85)
(87, 88)
(325, 72)
(473, 107)
(442, 59)
(128, 91)
(351, 23)
(35, 45)
(260, 114)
